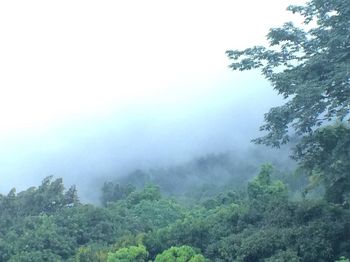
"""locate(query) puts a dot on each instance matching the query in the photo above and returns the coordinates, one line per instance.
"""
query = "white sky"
(63, 59)
(67, 61)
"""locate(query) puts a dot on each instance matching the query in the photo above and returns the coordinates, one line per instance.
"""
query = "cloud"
(87, 84)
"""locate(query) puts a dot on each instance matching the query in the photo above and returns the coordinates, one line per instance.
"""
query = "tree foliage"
(179, 254)
(264, 192)
(129, 254)
(325, 156)
(260, 224)
(255, 222)
(309, 66)
(112, 192)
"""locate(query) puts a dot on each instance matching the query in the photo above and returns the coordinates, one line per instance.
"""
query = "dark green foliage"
(112, 192)
(283, 256)
(310, 67)
(261, 224)
(35, 256)
(326, 157)
(55, 231)
(265, 226)
(240, 218)
(49, 197)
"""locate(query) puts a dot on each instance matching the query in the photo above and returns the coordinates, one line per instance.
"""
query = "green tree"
(180, 254)
(326, 158)
(263, 192)
(310, 67)
(112, 192)
(91, 253)
(35, 256)
(129, 254)
(150, 192)
(343, 259)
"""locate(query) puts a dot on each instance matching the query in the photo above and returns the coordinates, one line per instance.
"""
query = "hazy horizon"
(90, 89)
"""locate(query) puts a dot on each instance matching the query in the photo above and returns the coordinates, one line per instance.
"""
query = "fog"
(92, 90)
(115, 143)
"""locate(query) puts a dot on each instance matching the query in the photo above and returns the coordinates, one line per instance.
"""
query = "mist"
(86, 99)
(113, 144)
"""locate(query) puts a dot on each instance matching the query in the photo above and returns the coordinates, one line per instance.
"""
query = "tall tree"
(310, 67)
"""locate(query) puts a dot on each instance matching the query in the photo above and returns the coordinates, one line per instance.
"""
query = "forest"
(222, 207)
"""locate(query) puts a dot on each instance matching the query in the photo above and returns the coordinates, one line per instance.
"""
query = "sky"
(91, 87)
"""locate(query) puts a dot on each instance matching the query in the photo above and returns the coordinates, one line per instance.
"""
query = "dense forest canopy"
(269, 215)
(257, 223)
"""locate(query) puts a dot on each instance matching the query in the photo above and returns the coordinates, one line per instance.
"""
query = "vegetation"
(310, 67)
(143, 218)
(260, 223)
(184, 253)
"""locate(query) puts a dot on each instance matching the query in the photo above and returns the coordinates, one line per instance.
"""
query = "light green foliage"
(155, 214)
(150, 192)
(343, 259)
(92, 253)
(146, 210)
(180, 254)
(263, 192)
(129, 254)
